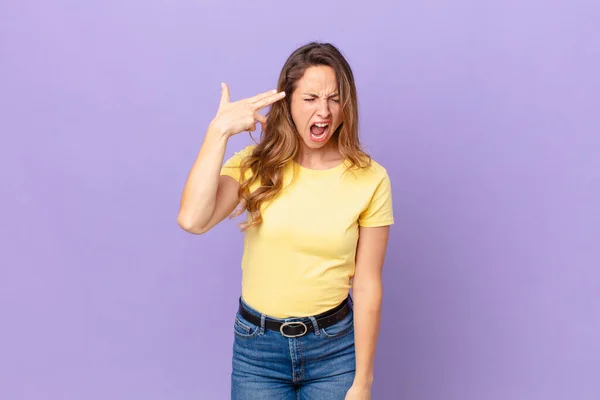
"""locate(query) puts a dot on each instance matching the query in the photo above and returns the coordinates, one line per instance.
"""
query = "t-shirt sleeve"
(231, 167)
(379, 212)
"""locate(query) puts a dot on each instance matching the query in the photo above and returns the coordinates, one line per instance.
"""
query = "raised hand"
(242, 115)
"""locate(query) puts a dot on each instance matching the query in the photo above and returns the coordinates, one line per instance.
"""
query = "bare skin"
(207, 197)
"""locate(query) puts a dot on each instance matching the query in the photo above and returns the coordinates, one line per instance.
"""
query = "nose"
(323, 110)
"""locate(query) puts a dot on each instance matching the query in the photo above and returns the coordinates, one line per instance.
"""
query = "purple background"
(486, 115)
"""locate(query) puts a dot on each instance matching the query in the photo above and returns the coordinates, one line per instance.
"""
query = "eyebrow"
(316, 95)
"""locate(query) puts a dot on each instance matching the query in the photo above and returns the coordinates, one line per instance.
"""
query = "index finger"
(266, 101)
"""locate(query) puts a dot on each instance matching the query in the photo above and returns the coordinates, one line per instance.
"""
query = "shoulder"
(373, 172)
(377, 169)
(239, 156)
(246, 151)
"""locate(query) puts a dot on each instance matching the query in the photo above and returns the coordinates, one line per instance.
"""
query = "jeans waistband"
(257, 313)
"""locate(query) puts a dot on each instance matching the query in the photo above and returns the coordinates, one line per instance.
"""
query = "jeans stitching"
(242, 324)
(249, 332)
(345, 332)
(293, 357)
(301, 355)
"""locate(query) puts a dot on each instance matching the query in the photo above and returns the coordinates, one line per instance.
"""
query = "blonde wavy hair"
(280, 142)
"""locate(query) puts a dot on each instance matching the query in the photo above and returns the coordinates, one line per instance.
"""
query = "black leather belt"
(303, 325)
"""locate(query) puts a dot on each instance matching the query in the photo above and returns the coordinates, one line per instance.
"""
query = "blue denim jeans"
(268, 365)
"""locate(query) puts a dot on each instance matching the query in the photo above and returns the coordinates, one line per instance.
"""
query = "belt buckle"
(293, 323)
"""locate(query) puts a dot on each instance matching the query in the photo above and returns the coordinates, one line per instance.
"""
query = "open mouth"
(318, 132)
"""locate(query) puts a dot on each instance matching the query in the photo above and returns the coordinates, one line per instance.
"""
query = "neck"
(324, 157)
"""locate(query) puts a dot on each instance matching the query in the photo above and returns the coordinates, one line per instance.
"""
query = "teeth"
(321, 125)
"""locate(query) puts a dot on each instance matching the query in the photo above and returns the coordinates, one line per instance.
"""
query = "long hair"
(280, 142)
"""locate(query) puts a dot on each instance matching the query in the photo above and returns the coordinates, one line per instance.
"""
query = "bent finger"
(260, 118)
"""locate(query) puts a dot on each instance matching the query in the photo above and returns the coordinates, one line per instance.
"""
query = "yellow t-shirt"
(300, 260)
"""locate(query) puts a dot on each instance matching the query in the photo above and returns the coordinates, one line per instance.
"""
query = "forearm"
(367, 315)
(199, 193)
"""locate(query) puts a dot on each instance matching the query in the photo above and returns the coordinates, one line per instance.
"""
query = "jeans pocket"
(243, 328)
(340, 328)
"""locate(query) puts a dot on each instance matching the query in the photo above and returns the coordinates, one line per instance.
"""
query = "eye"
(309, 100)
(337, 100)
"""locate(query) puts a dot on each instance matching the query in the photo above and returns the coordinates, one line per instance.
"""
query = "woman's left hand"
(358, 393)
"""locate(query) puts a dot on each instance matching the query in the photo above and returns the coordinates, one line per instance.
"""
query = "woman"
(318, 216)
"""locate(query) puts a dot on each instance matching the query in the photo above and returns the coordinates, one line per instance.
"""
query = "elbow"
(368, 287)
(188, 224)
(368, 296)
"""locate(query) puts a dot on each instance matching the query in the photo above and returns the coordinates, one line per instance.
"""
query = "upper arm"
(370, 255)
(226, 201)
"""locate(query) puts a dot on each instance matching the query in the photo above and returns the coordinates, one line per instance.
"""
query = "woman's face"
(315, 106)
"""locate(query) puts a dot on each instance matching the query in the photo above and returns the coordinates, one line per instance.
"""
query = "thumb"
(224, 93)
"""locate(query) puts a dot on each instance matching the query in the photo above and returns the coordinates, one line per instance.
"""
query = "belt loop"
(315, 325)
(262, 324)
